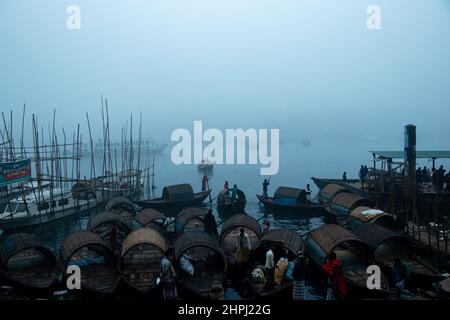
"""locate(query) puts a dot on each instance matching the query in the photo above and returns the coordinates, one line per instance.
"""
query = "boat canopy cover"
(187, 215)
(350, 200)
(195, 239)
(108, 217)
(419, 154)
(120, 203)
(375, 235)
(78, 240)
(178, 192)
(149, 215)
(18, 242)
(330, 236)
(144, 236)
(288, 195)
(238, 221)
(287, 238)
(333, 188)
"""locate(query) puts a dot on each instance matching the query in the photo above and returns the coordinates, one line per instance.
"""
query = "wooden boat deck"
(421, 235)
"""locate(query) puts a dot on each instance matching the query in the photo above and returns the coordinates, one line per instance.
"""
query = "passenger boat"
(190, 219)
(205, 166)
(175, 198)
(140, 258)
(388, 245)
(323, 182)
(286, 243)
(354, 253)
(327, 194)
(290, 199)
(343, 203)
(111, 227)
(225, 205)
(149, 218)
(94, 257)
(124, 207)
(231, 230)
(27, 262)
(209, 261)
(44, 206)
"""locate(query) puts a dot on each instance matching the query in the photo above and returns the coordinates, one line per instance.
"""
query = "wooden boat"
(343, 203)
(25, 261)
(140, 258)
(225, 205)
(322, 183)
(149, 218)
(231, 230)
(290, 199)
(327, 194)
(286, 243)
(94, 257)
(175, 198)
(355, 254)
(108, 225)
(190, 219)
(122, 206)
(210, 262)
(388, 245)
(362, 215)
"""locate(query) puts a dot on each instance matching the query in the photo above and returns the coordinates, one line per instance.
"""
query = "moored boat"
(361, 215)
(290, 199)
(94, 257)
(231, 230)
(388, 245)
(323, 182)
(327, 194)
(27, 262)
(355, 255)
(141, 255)
(149, 218)
(111, 227)
(175, 198)
(190, 219)
(208, 260)
(226, 205)
(343, 203)
(286, 243)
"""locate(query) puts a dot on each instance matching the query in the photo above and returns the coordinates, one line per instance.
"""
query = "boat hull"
(307, 208)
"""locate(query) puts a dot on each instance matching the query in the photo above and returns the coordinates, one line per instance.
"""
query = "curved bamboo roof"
(108, 217)
(120, 203)
(375, 235)
(78, 240)
(333, 189)
(350, 200)
(288, 192)
(197, 239)
(178, 192)
(330, 236)
(186, 215)
(147, 216)
(374, 216)
(144, 236)
(287, 238)
(238, 221)
(18, 242)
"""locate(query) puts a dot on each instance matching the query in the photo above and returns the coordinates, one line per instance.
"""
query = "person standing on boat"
(265, 187)
(233, 192)
(270, 269)
(266, 226)
(243, 247)
(336, 286)
(225, 186)
(299, 275)
(308, 193)
(168, 276)
(400, 274)
(362, 176)
(440, 178)
(344, 176)
(204, 180)
(419, 176)
(210, 225)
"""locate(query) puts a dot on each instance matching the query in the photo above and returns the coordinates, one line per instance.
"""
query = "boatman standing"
(168, 276)
(308, 193)
(204, 180)
(270, 269)
(243, 247)
(210, 225)
(265, 187)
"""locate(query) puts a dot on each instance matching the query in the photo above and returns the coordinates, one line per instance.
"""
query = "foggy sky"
(310, 68)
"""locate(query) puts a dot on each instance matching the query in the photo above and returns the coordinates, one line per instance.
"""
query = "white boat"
(44, 206)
